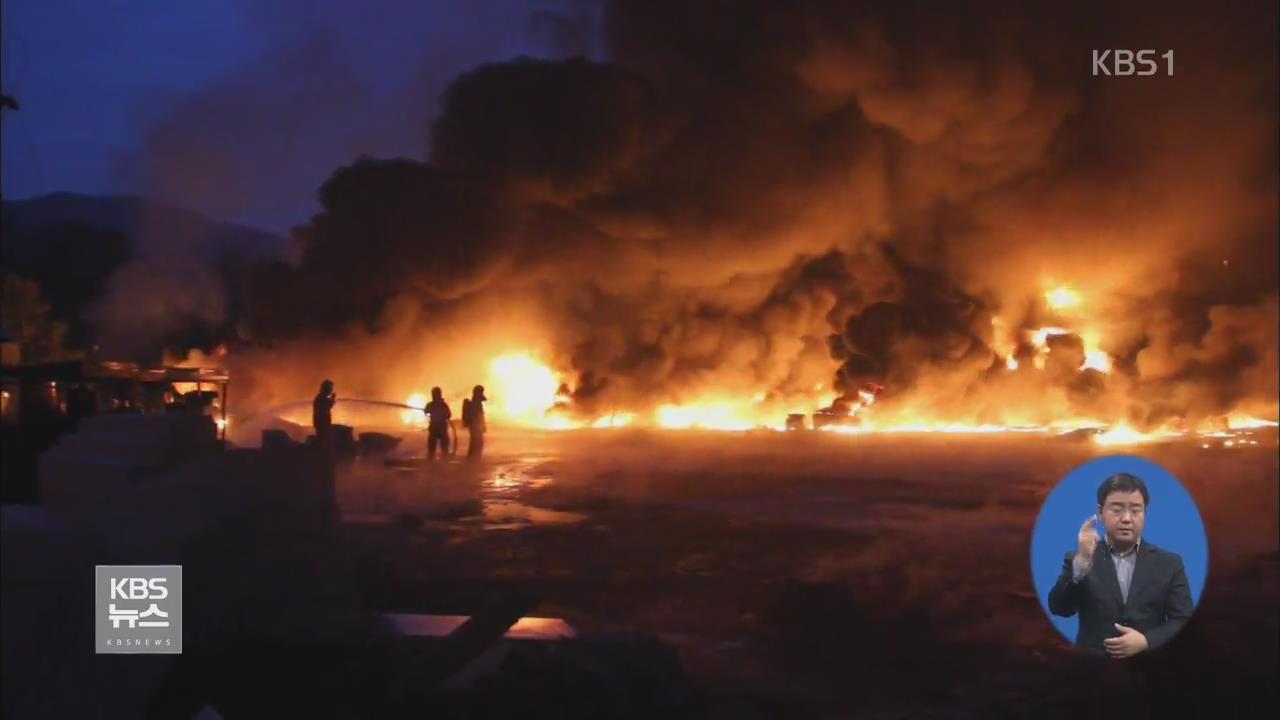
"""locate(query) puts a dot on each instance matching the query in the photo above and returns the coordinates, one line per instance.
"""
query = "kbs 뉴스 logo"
(138, 608)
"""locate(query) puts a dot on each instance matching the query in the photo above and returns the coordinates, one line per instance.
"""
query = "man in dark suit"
(1131, 595)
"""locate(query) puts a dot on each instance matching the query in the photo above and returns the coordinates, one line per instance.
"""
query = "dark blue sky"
(241, 108)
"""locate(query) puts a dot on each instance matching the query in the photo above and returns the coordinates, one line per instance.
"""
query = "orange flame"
(527, 391)
(416, 416)
(1062, 297)
(523, 389)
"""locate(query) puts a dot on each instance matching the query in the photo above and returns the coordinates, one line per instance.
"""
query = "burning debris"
(844, 412)
(531, 394)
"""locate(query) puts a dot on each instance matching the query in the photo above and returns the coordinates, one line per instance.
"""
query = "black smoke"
(777, 197)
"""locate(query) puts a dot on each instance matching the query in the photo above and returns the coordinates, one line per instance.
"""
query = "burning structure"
(42, 402)
(80, 388)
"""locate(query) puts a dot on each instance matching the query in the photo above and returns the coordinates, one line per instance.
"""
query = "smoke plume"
(790, 202)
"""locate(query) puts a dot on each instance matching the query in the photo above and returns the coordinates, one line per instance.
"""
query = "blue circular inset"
(1172, 523)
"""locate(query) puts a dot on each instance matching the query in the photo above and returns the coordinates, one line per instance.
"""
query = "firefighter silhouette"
(473, 421)
(438, 416)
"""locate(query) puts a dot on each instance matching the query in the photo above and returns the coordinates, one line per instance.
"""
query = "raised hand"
(1087, 540)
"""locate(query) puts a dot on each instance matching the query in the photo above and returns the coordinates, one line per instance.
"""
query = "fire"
(1058, 298)
(1094, 357)
(195, 358)
(614, 420)
(1062, 297)
(924, 427)
(523, 388)
(532, 394)
(1097, 360)
(526, 391)
(529, 392)
(708, 416)
(1123, 434)
(1244, 422)
(523, 391)
(1040, 337)
(559, 422)
(415, 416)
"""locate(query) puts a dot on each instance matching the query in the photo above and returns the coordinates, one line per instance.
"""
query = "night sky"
(267, 97)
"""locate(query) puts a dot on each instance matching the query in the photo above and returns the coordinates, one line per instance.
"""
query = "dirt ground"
(810, 575)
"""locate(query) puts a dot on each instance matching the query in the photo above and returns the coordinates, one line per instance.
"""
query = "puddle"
(391, 492)
(506, 514)
(503, 511)
(509, 480)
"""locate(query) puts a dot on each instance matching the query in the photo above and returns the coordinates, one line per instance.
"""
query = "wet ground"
(815, 575)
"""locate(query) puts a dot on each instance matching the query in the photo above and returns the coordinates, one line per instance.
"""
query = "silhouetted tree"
(25, 316)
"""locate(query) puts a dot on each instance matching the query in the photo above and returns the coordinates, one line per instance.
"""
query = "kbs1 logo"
(138, 608)
(1128, 62)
